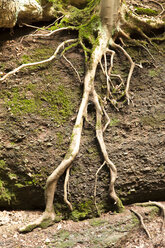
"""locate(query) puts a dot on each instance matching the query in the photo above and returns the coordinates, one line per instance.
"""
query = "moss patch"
(146, 11)
(83, 210)
(2, 164)
(35, 55)
(153, 73)
(97, 222)
(56, 103)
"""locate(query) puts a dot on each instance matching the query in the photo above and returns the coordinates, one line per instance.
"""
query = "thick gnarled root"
(110, 164)
(47, 219)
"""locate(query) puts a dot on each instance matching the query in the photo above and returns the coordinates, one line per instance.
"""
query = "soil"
(110, 230)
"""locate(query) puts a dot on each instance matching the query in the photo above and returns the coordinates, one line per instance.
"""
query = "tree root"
(66, 186)
(70, 63)
(130, 71)
(157, 204)
(160, 5)
(50, 33)
(47, 219)
(40, 62)
(112, 167)
(95, 187)
(141, 222)
(75, 140)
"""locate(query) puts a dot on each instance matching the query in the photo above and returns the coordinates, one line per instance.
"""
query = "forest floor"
(110, 230)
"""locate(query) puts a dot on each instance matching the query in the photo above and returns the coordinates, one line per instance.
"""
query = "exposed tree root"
(130, 71)
(47, 219)
(141, 222)
(161, 6)
(99, 135)
(157, 204)
(62, 45)
(66, 183)
(76, 137)
(50, 33)
(70, 63)
(95, 187)
(100, 51)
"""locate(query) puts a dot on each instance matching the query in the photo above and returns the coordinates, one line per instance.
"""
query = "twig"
(141, 222)
(29, 25)
(54, 31)
(39, 62)
(95, 187)
(112, 58)
(72, 67)
(108, 119)
(55, 21)
(130, 71)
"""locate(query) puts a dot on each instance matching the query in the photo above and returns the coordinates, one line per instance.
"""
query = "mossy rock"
(146, 11)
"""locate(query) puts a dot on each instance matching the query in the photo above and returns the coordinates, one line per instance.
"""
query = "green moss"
(161, 168)
(28, 183)
(63, 234)
(19, 185)
(82, 211)
(46, 223)
(86, 21)
(154, 212)
(35, 55)
(5, 194)
(12, 176)
(56, 104)
(92, 153)
(153, 73)
(119, 206)
(114, 122)
(60, 138)
(135, 219)
(97, 222)
(146, 11)
(2, 164)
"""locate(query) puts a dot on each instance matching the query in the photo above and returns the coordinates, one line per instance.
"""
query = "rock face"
(8, 13)
(38, 107)
(27, 11)
(37, 112)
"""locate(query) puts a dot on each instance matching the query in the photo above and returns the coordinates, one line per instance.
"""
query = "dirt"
(109, 230)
